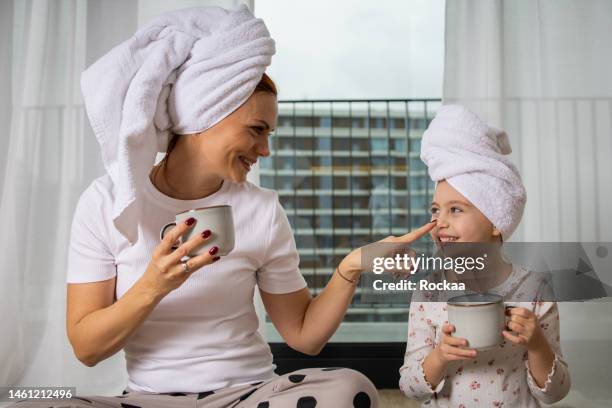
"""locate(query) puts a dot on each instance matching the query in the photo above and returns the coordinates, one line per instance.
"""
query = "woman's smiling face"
(457, 219)
(233, 146)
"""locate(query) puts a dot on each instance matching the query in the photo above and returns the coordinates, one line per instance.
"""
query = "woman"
(189, 330)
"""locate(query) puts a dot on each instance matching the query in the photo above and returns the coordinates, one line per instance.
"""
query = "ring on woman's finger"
(185, 266)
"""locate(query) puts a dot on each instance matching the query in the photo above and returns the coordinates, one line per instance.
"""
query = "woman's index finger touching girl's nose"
(417, 233)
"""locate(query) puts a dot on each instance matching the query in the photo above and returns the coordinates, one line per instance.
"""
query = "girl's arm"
(554, 385)
(448, 349)
(547, 374)
(421, 337)
(541, 359)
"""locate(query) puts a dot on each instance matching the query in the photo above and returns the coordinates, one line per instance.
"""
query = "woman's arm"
(305, 323)
(98, 328)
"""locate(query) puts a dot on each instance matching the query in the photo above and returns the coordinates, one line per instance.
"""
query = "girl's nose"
(441, 222)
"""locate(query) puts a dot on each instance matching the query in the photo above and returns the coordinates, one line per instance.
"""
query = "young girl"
(479, 197)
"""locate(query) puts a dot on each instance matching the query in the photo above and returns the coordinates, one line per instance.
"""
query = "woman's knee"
(353, 389)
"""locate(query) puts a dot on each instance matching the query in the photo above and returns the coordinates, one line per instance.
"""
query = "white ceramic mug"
(478, 318)
(218, 219)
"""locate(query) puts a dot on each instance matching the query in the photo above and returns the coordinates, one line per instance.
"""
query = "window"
(399, 183)
(380, 123)
(304, 121)
(342, 122)
(267, 181)
(380, 162)
(286, 162)
(286, 183)
(357, 190)
(303, 143)
(324, 201)
(325, 122)
(360, 145)
(323, 161)
(360, 182)
(342, 203)
(303, 222)
(416, 164)
(418, 183)
(323, 182)
(380, 182)
(399, 145)
(341, 143)
(285, 121)
(324, 143)
(361, 221)
(304, 241)
(380, 144)
(341, 182)
(324, 221)
(397, 123)
(303, 163)
(419, 201)
(304, 183)
(359, 123)
(342, 221)
(355, 147)
(265, 163)
(286, 202)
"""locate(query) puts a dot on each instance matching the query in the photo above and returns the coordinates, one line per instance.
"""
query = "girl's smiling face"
(457, 219)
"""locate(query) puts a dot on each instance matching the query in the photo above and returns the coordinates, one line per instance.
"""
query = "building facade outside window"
(346, 177)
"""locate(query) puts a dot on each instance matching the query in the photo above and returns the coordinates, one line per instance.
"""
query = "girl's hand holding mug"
(524, 323)
(452, 348)
(167, 271)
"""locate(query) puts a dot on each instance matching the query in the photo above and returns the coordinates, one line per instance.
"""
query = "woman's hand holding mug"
(167, 271)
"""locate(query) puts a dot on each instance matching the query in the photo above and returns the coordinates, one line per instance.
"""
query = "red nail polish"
(213, 250)
(216, 258)
(190, 221)
(206, 234)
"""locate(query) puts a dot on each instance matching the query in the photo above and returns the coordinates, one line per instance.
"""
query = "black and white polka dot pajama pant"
(307, 388)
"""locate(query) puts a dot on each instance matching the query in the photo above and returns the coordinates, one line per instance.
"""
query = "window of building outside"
(345, 154)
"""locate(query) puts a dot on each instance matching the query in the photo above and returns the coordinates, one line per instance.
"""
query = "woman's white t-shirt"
(203, 335)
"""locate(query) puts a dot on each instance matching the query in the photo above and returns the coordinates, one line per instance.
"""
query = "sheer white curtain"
(48, 155)
(541, 70)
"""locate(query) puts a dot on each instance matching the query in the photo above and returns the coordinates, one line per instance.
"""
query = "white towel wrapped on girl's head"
(472, 157)
(182, 73)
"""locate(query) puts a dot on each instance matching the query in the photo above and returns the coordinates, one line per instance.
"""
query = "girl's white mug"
(218, 219)
(479, 318)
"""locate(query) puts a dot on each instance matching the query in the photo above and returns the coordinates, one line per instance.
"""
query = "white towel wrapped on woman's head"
(473, 158)
(182, 73)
